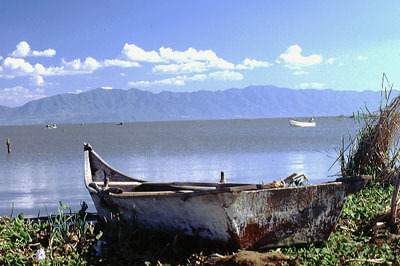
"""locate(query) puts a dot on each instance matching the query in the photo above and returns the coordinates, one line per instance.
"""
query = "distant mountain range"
(115, 105)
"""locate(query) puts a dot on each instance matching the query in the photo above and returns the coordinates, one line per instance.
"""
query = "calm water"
(46, 166)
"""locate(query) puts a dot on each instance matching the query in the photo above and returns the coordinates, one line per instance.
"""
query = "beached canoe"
(310, 123)
(241, 215)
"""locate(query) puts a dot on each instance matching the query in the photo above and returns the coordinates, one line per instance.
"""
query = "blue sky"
(50, 47)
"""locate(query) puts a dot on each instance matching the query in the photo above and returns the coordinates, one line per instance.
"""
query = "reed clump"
(375, 148)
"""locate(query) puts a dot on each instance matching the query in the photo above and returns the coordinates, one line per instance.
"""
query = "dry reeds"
(375, 149)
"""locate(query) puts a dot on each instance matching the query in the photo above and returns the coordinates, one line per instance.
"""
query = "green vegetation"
(355, 241)
(71, 240)
(60, 240)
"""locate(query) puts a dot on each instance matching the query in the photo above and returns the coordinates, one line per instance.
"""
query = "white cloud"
(120, 63)
(331, 60)
(300, 72)
(362, 58)
(76, 91)
(17, 66)
(24, 49)
(18, 95)
(89, 65)
(37, 80)
(135, 53)
(295, 60)
(194, 66)
(252, 63)
(226, 75)
(198, 77)
(123, 74)
(177, 62)
(191, 54)
(180, 80)
(106, 87)
(47, 53)
(190, 67)
(12, 67)
(141, 83)
(311, 85)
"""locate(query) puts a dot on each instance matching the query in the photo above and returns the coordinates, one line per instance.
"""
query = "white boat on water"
(310, 123)
(54, 126)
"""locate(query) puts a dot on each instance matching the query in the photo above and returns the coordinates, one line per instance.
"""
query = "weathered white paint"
(251, 218)
(295, 123)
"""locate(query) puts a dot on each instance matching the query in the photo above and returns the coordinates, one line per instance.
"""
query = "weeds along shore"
(73, 240)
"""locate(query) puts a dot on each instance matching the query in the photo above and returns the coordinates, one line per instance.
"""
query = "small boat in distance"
(54, 126)
(255, 216)
(309, 123)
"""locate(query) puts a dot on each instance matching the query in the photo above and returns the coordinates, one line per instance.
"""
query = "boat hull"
(254, 218)
(248, 219)
(295, 123)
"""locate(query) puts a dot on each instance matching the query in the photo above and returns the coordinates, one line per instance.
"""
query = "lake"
(46, 165)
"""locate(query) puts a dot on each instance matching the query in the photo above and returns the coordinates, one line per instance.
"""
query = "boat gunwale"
(184, 191)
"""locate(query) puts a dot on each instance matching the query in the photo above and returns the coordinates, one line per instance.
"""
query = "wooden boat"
(241, 215)
(310, 123)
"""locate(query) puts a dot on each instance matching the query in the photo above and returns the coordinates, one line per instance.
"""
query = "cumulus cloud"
(194, 66)
(88, 66)
(106, 87)
(141, 83)
(295, 60)
(12, 67)
(311, 85)
(135, 53)
(23, 49)
(191, 54)
(190, 67)
(120, 63)
(177, 62)
(19, 95)
(17, 66)
(362, 58)
(37, 80)
(76, 91)
(226, 75)
(180, 80)
(252, 63)
(47, 53)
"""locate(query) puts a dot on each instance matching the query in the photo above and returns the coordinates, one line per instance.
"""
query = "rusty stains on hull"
(243, 215)
(286, 217)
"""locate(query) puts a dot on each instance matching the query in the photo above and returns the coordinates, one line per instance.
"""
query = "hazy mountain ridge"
(115, 105)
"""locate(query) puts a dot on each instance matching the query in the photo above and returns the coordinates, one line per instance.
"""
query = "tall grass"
(375, 148)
